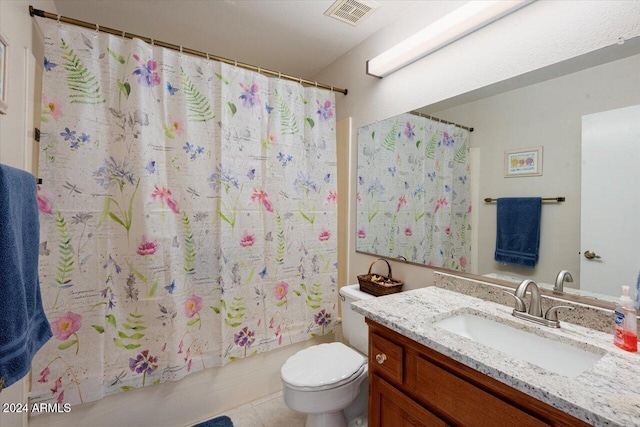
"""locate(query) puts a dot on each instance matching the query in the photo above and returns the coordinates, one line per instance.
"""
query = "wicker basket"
(378, 285)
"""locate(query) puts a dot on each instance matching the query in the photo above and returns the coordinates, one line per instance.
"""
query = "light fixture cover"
(462, 21)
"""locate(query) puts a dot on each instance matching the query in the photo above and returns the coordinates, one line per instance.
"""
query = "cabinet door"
(388, 407)
(465, 403)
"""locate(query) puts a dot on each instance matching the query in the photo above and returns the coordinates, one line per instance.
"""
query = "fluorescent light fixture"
(462, 21)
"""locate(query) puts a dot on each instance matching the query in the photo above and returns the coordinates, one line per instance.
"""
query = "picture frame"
(523, 162)
(4, 58)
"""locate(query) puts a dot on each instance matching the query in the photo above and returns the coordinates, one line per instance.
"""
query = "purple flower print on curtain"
(250, 97)
(324, 110)
(146, 72)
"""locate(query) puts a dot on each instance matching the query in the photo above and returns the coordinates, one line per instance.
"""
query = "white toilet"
(328, 382)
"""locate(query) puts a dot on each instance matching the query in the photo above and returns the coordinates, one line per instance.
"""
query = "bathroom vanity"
(425, 375)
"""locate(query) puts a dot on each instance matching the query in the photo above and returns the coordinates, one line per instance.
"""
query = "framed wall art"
(523, 162)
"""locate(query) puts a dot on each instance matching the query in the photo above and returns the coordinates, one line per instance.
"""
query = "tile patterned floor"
(270, 411)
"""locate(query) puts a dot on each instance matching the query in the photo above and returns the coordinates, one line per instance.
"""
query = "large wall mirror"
(422, 183)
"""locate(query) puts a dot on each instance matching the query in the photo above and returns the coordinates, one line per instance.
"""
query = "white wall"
(546, 114)
(538, 35)
(26, 51)
(16, 127)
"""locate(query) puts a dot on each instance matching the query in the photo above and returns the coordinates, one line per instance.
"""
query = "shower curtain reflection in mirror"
(413, 191)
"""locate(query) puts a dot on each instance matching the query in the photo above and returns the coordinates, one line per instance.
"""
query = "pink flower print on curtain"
(44, 205)
(192, 307)
(402, 201)
(51, 107)
(64, 327)
(261, 196)
(146, 247)
(164, 195)
(332, 197)
(281, 291)
(247, 239)
(43, 375)
(56, 385)
(324, 235)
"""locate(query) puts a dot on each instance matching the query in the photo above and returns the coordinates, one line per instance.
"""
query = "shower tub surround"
(604, 395)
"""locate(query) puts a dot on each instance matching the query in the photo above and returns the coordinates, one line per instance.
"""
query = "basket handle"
(388, 265)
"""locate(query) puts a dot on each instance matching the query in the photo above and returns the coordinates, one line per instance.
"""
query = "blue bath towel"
(23, 325)
(518, 230)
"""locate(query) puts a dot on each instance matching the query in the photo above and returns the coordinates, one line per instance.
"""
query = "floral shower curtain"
(188, 214)
(414, 191)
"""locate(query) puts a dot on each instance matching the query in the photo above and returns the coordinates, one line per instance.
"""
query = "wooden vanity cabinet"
(413, 385)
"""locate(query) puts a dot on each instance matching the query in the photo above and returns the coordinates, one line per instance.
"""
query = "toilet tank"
(354, 328)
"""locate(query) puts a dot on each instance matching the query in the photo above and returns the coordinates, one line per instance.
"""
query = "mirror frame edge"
(592, 302)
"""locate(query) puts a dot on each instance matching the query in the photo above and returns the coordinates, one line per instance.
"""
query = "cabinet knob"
(380, 358)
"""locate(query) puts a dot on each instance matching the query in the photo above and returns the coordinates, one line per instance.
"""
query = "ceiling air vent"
(352, 11)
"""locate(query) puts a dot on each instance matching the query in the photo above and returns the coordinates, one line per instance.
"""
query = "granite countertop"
(607, 394)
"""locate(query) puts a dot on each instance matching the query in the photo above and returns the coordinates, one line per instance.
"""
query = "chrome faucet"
(534, 314)
(534, 307)
(563, 276)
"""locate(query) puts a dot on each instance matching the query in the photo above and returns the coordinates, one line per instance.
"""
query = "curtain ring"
(316, 85)
(300, 79)
(331, 88)
(235, 63)
(180, 49)
(207, 56)
(124, 35)
(58, 20)
(97, 31)
(279, 75)
(259, 70)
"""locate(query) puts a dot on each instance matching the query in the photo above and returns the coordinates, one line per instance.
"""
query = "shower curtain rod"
(67, 20)
(426, 116)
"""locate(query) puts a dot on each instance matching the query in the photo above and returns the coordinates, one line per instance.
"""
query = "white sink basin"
(554, 356)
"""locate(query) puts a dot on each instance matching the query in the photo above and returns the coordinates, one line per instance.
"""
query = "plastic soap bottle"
(625, 333)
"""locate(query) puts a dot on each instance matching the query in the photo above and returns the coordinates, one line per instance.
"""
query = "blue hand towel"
(518, 230)
(23, 326)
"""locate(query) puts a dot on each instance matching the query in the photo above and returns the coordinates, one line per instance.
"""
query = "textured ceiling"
(293, 37)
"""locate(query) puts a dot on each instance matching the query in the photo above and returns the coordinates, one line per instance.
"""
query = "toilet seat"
(323, 367)
(337, 384)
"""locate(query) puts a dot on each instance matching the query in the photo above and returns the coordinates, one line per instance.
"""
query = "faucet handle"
(552, 313)
(520, 305)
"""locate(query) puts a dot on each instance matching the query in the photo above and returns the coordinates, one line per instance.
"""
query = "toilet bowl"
(322, 380)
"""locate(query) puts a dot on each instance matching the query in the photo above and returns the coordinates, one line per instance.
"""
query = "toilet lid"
(322, 365)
